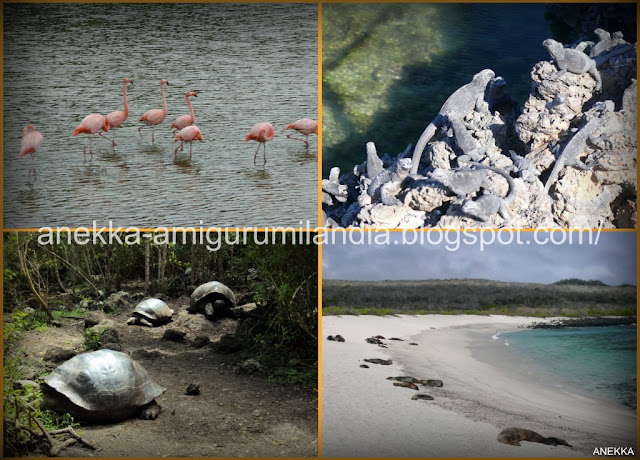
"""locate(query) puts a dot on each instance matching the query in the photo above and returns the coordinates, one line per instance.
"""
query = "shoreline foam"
(365, 415)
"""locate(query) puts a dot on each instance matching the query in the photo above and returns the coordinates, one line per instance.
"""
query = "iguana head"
(404, 165)
(484, 77)
(551, 45)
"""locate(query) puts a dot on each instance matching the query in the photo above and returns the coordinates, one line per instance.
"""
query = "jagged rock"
(142, 354)
(58, 355)
(91, 320)
(250, 366)
(200, 341)
(193, 389)
(227, 344)
(383, 216)
(174, 335)
(116, 302)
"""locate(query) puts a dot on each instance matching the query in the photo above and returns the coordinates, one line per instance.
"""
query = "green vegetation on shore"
(570, 298)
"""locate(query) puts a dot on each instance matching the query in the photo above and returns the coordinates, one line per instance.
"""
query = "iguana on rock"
(459, 104)
(464, 139)
(462, 182)
(392, 177)
(572, 60)
(524, 168)
(499, 100)
(333, 187)
(487, 205)
(571, 153)
(374, 163)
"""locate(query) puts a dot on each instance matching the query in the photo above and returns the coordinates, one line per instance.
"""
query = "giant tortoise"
(213, 299)
(151, 312)
(102, 385)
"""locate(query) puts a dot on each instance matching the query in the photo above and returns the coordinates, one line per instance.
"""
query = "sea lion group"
(511, 436)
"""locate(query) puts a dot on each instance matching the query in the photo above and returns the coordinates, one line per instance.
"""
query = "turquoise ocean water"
(600, 361)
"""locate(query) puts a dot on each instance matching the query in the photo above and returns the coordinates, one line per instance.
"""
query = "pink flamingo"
(185, 120)
(31, 142)
(119, 116)
(92, 124)
(189, 134)
(304, 126)
(262, 132)
(154, 117)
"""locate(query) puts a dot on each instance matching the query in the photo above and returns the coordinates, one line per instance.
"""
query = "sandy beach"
(363, 414)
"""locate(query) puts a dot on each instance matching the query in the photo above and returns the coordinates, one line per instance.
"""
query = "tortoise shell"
(105, 381)
(154, 309)
(214, 290)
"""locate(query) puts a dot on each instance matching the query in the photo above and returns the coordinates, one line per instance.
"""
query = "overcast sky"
(612, 260)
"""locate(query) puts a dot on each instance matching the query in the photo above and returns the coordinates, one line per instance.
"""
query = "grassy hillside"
(476, 296)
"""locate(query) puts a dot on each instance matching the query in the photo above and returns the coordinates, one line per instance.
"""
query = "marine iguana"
(570, 155)
(459, 105)
(332, 186)
(513, 436)
(501, 101)
(605, 42)
(464, 139)
(524, 168)
(374, 163)
(572, 60)
(379, 187)
(462, 182)
(489, 204)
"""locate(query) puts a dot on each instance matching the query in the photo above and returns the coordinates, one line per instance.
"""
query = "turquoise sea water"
(599, 360)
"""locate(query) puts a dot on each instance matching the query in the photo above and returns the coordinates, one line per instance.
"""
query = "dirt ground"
(235, 415)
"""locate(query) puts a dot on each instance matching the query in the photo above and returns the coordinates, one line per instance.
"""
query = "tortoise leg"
(145, 322)
(150, 411)
(209, 311)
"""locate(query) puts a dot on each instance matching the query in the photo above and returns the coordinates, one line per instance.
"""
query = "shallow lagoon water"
(599, 361)
(248, 63)
(386, 77)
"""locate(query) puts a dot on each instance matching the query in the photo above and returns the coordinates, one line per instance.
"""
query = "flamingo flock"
(183, 128)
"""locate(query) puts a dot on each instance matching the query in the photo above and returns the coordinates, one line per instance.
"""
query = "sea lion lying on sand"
(413, 386)
(513, 436)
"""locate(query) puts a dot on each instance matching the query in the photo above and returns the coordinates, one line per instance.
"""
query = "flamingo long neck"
(193, 116)
(164, 101)
(126, 106)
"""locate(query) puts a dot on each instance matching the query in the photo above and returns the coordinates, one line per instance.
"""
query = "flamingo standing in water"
(262, 132)
(154, 117)
(189, 134)
(119, 116)
(31, 142)
(185, 120)
(91, 124)
(304, 126)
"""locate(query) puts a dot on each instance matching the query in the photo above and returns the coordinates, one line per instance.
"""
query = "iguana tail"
(426, 136)
(554, 175)
(511, 193)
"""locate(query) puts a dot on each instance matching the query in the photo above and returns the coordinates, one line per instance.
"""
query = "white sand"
(363, 414)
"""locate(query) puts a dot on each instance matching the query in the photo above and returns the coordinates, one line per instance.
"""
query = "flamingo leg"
(139, 131)
(33, 166)
(256, 154)
(190, 147)
(91, 146)
(290, 136)
(153, 130)
(264, 144)
(114, 137)
(113, 143)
